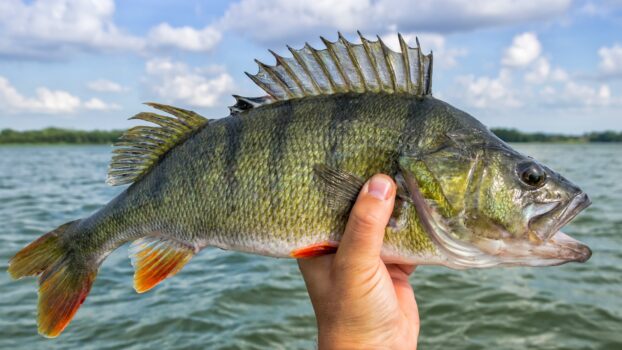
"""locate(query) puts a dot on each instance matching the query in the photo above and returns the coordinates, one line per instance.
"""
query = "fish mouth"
(560, 246)
(553, 247)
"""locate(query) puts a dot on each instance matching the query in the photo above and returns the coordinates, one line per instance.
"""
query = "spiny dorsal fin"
(346, 67)
(245, 103)
(141, 147)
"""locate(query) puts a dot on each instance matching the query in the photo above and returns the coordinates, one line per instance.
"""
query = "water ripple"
(228, 300)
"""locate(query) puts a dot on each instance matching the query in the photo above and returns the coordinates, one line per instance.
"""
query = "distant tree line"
(68, 136)
(57, 135)
(513, 135)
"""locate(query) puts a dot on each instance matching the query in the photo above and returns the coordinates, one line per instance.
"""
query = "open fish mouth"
(566, 248)
(555, 247)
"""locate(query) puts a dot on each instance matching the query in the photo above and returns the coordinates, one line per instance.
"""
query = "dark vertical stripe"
(278, 148)
(234, 134)
(341, 114)
(418, 111)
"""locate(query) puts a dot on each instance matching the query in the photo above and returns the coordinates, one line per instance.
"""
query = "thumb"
(361, 243)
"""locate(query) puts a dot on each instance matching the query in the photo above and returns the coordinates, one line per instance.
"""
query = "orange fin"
(155, 258)
(65, 278)
(62, 290)
(313, 250)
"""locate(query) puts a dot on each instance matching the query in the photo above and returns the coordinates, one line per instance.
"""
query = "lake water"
(226, 300)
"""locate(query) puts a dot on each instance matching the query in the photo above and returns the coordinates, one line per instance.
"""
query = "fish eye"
(531, 174)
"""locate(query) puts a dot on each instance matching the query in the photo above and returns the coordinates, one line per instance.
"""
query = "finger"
(362, 239)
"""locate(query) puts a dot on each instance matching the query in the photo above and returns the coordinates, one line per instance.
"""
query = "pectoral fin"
(341, 187)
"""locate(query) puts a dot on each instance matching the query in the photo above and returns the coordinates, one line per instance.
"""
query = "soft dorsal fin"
(346, 67)
(141, 147)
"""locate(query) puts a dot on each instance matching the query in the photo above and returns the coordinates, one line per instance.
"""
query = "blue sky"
(552, 66)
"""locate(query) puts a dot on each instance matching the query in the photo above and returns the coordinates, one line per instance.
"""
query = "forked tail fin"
(65, 278)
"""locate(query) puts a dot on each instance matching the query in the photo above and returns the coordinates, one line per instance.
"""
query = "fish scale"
(280, 175)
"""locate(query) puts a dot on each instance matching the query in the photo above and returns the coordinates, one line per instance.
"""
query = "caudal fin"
(64, 279)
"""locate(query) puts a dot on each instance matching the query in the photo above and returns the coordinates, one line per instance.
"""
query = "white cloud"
(96, 104)
(45, 27)
(611, 59)
(573, 95)
(525, 49)
(198, 87)
(276, 21)
(186, 38)
(545, 84)
(48, 29)
(45, 101)
(103, 85)
(542, 72)
(602, 8)
(486, 92)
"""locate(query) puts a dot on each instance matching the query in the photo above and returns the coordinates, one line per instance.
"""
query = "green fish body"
(279, 176)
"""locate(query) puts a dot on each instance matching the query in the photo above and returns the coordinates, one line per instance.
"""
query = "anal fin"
(155, 259)
(313, 250)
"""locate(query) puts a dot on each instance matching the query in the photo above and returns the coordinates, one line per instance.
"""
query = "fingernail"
(379, 187)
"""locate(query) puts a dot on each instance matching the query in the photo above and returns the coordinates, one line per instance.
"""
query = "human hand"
(359, 301)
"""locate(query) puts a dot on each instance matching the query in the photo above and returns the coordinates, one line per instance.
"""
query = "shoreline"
(59, 136)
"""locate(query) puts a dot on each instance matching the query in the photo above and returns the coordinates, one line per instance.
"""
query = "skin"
(359, 301)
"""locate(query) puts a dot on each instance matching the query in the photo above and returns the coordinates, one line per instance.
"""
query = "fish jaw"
(559, 249)
(571, 249)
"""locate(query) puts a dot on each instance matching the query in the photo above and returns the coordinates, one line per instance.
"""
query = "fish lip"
(561, 247)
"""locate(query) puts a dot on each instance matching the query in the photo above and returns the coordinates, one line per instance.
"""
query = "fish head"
(521, 207)
(485, 204)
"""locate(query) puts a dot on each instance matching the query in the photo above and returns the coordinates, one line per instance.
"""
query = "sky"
(553, 66)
